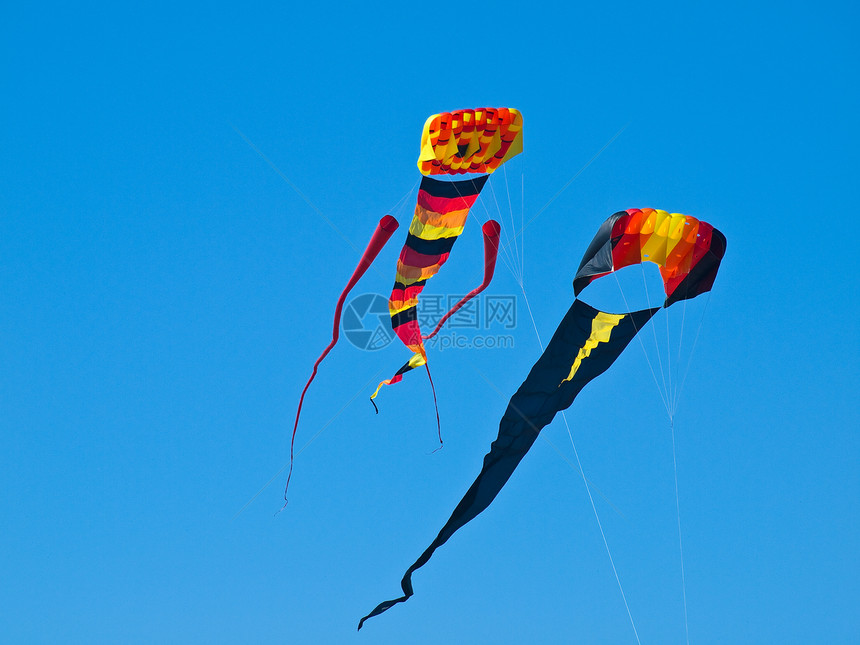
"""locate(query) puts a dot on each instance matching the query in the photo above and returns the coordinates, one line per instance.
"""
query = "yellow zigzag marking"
(601, 329)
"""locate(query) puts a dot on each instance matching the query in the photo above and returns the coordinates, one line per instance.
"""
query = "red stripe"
(445, 204)
(413, 258)
(703, 242)
(406, 294)
(409, 332)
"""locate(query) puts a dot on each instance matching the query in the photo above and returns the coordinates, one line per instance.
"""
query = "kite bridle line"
(671, 397)
(504, 252)
(519, 278)
(585, 482)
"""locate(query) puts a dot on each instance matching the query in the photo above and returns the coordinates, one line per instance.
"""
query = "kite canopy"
(688, 251)
(462, 141)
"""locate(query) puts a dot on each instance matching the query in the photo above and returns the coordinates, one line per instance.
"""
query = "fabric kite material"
(584, 346)
(463, 141)
(688, 251)
(476, 141)
(383, 232)
(440, 216)
(491, 231)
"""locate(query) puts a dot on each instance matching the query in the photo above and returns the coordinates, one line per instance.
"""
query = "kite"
(384, 230)
(688, 251)
(465, 141)
(475, 141)
(584, 346)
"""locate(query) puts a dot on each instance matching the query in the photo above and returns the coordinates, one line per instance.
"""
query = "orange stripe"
(407, 274)
(452, 220)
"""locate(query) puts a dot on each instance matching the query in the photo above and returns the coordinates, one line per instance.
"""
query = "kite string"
(511, 217)
(506, 256)
(397, 209)
(670, 391)
(585, 481)
(600, 526)
(675, 461)
(693, 348)
(680, 541)
(677, 392)
(656, 342)
(435, 405)
(522, 218)
(671, 401)
(644, 351)
(512, 255)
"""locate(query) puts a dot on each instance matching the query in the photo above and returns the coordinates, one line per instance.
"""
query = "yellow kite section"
(601, 329)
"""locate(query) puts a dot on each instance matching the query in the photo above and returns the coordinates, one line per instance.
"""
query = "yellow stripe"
(676, 231)
(427, 153)
(430, 232)
(516, 146)
(494, 146)
(396, 306)
(417, 360)
(654, 249)
(601, 329)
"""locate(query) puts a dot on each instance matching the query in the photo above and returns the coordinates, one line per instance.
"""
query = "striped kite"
(465, 141)
(452, 143)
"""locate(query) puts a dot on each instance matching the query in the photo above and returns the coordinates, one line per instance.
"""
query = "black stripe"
(404, 369)
(405, 316)
(430, 247)
(598, 255)
(702, 274)
(452, 189)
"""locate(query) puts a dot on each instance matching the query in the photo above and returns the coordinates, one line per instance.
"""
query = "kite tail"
(491, 232)
(417, 360)
(384, 230)
(406, 585)
(406, 582)
(530, 409)
(435, 405)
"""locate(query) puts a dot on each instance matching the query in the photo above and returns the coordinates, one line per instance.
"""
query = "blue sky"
(165, 292)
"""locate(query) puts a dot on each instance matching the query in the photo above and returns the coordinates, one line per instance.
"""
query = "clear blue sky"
(165, 292)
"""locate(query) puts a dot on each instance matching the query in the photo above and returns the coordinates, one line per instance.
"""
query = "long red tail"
(384, 230)
(491, 232)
